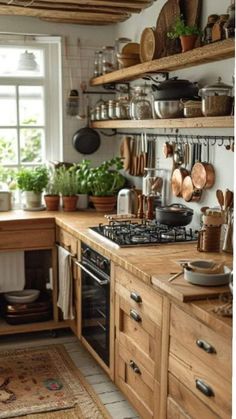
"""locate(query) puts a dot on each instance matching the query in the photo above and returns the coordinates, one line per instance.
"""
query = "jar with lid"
(154, 184)
(216, 99)
(141, 105)
(112, 109)
(108, 60)
(98, 63)
(123, 107)
(104, 111)
(207, 32)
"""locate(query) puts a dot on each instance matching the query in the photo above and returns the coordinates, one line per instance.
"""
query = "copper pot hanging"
(203, 175)
(189, 192)
(177, 179)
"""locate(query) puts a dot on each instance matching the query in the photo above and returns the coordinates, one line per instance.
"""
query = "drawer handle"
(136, 297)
(134, 367)
(207, 347)
(204, 388)
(135, 316)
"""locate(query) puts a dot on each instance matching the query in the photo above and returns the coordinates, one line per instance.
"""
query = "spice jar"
(104, 111)
(98, 63)
(216, 99)
(141, 106)
(207, 32)
(108, 60)
(112, 109)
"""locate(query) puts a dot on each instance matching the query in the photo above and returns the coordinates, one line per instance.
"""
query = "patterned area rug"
(42, 380)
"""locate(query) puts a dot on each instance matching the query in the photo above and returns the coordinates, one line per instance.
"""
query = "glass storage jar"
(123, 107)
(112, 109)
(141, 105)
(108, 60)
(104, 111)
(216, 99)
(154, 183)
(98, 63)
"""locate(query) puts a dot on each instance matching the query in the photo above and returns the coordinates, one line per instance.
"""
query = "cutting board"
(167, 17)
(184, 291)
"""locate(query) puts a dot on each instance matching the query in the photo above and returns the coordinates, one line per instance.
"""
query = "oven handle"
(104, 282)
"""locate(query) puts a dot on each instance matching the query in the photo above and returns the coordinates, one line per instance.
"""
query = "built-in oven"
(95, 301)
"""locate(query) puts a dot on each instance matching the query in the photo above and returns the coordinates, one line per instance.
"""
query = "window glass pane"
(21, 62)
(8, 105)
(31, 105)
(31, 145)
(8, 146)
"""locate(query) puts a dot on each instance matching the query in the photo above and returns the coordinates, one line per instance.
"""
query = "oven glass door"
(95, 310)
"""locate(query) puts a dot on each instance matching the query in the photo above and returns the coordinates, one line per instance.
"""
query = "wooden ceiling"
(86, 12)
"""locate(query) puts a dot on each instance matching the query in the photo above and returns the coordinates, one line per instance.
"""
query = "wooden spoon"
(220, 198)
(228, 198)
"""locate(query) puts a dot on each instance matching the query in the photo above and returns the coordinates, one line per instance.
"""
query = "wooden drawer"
(29, 239)
(151, 302)
(68, 241)
(182, 403)
(200, 339)
(197, 376)
(140, 335)
(136, 382)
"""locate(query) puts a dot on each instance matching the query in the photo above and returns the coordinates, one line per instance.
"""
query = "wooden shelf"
(204, 122)
(208, 53)
(8, 329)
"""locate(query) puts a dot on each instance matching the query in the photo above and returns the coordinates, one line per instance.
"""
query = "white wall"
(222, 159)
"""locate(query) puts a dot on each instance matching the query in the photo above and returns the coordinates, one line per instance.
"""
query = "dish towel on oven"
(65, 297)
(12, 271)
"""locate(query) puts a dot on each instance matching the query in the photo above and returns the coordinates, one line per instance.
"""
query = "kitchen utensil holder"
(209, 239)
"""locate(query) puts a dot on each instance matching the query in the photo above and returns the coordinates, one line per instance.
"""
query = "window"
(30, 102)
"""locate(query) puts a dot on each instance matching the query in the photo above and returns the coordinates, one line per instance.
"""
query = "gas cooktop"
(143, 233)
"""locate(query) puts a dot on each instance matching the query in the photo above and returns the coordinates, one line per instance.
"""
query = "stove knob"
(87, 253)
(103, 264)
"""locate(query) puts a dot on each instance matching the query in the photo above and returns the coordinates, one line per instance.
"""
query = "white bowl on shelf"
(24, 296)
(209, 280)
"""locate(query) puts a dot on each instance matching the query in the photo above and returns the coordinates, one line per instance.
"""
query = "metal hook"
(212, 140)
(221, 143)
(206, 141)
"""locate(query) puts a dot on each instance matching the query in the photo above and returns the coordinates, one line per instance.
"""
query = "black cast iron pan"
(86, 140)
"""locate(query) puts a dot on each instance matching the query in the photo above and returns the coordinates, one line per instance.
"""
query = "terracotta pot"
(69, 202)
(188, 42)
(52, 202)
(103, 203)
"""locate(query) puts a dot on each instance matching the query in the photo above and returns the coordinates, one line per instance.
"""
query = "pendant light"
(27, 62)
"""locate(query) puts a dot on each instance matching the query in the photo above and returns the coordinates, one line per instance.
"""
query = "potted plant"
(187, 34)
(67, 181)
(104, 182)
(52, 196)
(32, 181)
(82, 172)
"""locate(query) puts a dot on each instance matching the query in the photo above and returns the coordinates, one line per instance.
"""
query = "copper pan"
(189, 192)
(203, 175)
(177, 179)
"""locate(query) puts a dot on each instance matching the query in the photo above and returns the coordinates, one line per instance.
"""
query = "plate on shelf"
(24, 296)
(41, 208)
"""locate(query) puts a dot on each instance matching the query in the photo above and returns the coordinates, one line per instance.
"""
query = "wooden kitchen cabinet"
(199, 370)
(36, 237)
(138, 326)
(67, 240)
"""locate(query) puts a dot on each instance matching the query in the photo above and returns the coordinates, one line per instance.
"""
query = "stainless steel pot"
(166, 109)
(174, 215)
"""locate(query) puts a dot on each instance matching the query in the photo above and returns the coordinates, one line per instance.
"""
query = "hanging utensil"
(72, 103)
(202, 174)
(82, 85)
(220, 198)
(189, 192)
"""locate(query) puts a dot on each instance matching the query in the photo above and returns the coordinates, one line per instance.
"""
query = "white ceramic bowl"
(24, 296)
(208, 280)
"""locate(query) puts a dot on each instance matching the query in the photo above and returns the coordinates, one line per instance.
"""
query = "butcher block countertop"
(154, 265)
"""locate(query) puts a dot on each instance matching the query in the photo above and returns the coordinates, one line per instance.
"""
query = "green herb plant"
(82, 171)
(32, 179)
(105, 180)
(180, 28)
(67, 181)
(53, 185)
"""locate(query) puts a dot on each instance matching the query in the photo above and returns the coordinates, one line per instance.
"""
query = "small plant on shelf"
(104, 182)
(187, 34)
